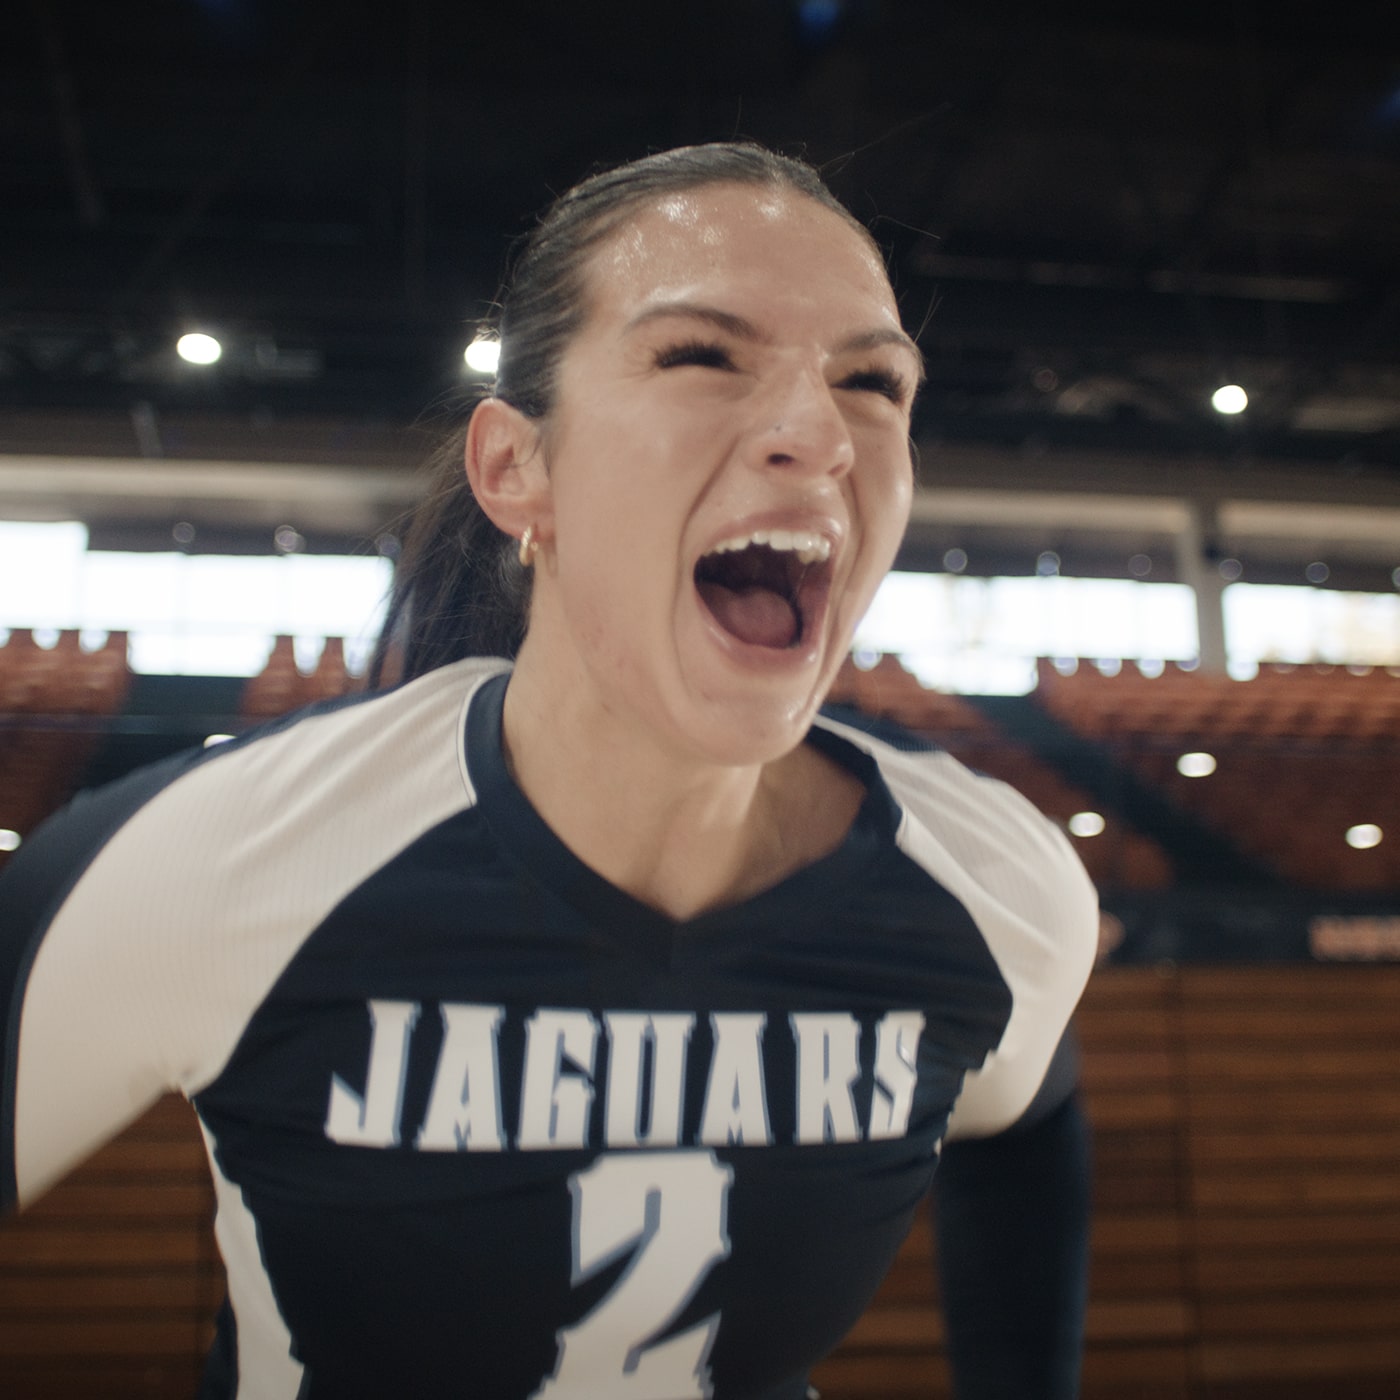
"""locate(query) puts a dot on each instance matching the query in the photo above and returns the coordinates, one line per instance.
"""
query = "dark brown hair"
(458, 588)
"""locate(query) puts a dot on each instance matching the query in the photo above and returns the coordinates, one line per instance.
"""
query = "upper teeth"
(810, 548)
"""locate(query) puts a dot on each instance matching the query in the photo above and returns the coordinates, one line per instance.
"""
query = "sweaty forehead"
(738, 239)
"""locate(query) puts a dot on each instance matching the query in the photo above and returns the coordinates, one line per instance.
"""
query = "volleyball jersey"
(479, 1122)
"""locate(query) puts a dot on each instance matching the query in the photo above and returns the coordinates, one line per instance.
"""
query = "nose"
(804, 429)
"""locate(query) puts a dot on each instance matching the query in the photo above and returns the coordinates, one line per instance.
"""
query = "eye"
(706, 354)
(885, 382)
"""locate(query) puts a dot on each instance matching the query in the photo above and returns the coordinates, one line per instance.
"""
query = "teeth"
(810, 548)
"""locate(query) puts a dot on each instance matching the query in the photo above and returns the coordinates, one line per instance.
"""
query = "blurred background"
(1152, 256)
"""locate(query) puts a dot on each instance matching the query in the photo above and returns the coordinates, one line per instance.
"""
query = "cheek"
(887, 494)
(615, 580)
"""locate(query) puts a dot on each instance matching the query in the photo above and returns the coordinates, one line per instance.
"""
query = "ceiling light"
(1086, 824)
(1196, 765)
(1229, 398)
(1364, 837)
(9, 840)
(483, 355)
(198, 348)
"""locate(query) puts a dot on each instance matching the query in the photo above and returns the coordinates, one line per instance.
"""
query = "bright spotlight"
(1196, 765)
(198, 348)
(1086, 824)
(483, 355)
(9, 840)
(1364, 837)
(1229, 398)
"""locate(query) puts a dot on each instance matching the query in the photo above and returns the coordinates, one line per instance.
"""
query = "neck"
(678, 833)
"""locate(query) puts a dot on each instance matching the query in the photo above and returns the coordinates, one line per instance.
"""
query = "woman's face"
(729, 471)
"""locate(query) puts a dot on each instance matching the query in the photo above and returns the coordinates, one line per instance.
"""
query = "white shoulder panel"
(178, 929)
(1017, 875)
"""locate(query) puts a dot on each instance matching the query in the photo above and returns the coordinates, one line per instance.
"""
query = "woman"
(588, 1027)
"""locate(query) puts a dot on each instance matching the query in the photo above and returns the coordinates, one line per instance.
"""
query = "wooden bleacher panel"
(277, 688)
(1295, 1176)
(281, 686)
(109, 1285)
(330, 679)
(52, 705)
(1119, 858)
(1140, 1319)
(63, 680)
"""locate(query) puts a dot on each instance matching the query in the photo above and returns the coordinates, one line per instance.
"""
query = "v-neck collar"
(528, 838)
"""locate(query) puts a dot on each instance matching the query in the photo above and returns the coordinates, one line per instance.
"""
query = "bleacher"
(1120, 857)
(1303, 753)
(1246, 1118)
(54, 704)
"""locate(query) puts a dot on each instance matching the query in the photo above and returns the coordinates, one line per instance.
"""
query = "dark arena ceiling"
(1095, 214)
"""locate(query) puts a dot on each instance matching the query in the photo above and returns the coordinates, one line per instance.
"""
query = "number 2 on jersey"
(669, 1209)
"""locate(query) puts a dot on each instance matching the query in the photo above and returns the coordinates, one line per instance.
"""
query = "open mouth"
(766, 589)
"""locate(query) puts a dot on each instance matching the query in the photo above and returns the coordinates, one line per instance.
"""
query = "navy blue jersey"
(479, 1122)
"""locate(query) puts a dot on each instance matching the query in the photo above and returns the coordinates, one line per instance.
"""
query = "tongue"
(752, 613)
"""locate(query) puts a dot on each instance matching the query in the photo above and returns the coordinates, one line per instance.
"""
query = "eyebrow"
(744, 329)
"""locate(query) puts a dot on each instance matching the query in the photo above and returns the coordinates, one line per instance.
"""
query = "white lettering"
(555, 1102)
(464, 1110)
(669, 1210)
(629, 1034)
(828, 1065)
(896, 1073)
(645, 1093)
(736, 1107)
(373, 1121)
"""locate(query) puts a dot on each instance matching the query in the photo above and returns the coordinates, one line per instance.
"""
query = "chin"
(753, 729)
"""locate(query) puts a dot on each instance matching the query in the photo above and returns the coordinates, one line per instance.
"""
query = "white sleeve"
(1017, 875)
(147, 924)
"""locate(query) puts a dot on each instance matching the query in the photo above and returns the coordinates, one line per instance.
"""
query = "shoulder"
(1027, 891)
(954, 818)
(383, 739)
(193, 882)
(310, 763)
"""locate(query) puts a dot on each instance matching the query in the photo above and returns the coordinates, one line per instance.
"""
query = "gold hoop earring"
(528, 547)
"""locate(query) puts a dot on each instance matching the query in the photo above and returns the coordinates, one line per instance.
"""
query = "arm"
(143, 926)
(1012, 1189)
(1011, 1217)
(69, 1077)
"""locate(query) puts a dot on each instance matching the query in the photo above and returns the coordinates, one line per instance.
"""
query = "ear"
(506, 469)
